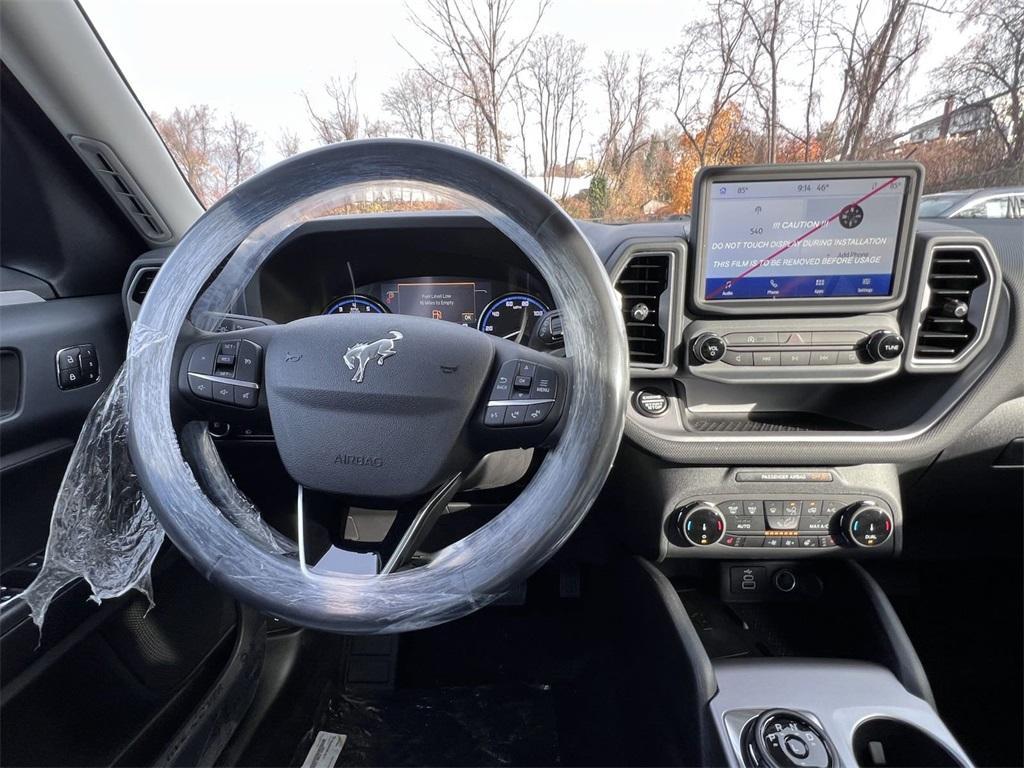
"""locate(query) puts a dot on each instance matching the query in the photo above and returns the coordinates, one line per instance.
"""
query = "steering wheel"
(385, 407)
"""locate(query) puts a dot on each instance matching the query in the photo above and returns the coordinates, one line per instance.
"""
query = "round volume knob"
(867, 525)
(701, 524)
(884, 345)
(708, 348)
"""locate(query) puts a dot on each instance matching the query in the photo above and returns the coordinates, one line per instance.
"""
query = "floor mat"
(472, 725)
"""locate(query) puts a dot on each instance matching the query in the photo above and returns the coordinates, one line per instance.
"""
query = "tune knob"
(867, 525)
(708, 348)
(884, 345)
(701, 524)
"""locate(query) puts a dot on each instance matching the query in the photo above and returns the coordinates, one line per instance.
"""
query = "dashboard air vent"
(642, 285)
(141, 284)
(953, 311)
(114, 176)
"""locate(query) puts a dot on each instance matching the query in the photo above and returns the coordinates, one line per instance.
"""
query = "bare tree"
(707, 76)
(416, 102)
(521, 107)
(555, 75)
(479, 38)
(813, 31)
(288, 143)
(631, 95)
(767, 23)
(877, 62)
(341, 120)
(191, 137)
(990, 69)
(238, 152)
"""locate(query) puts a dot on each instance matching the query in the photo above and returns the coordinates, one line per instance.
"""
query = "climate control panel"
(809, 523)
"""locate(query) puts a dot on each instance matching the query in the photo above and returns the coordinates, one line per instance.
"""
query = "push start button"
(651, 402)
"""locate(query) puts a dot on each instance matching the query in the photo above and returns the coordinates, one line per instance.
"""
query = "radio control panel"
(866, 348)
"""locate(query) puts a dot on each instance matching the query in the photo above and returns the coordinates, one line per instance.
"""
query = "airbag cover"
(374, 405)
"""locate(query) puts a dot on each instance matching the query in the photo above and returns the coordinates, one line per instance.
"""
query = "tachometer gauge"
(356, 303)
(512, 316)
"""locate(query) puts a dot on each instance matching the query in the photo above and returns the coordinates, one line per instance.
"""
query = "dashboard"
(795, 346)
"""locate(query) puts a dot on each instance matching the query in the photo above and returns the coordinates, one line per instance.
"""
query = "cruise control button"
(494, 415)
(229, 348)
(535, 414)
(545, 384)
(738, 358)
(248, 361)
(246, 396)
(228, 361)
(202, 359)
(515, 415)
(767, 358)
(224, 393)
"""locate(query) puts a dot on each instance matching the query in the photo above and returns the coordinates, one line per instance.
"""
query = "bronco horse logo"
(359, 355)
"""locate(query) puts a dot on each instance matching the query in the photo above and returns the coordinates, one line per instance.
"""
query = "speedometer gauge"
(356, 303)
(512, 316)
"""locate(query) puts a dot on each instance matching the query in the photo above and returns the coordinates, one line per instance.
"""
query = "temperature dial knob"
(701, 524)
(867, 525)
(708, 348)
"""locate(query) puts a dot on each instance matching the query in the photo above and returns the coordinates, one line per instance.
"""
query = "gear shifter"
(783, 739)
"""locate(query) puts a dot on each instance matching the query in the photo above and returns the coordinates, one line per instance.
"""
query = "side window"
(990, 208)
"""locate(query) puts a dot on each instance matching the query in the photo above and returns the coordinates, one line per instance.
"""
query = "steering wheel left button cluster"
(226, 372)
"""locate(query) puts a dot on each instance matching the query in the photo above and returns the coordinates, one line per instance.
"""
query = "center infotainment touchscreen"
(809, 238)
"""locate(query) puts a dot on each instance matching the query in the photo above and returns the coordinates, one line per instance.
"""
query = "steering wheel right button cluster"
(523, 394)
(784, 739)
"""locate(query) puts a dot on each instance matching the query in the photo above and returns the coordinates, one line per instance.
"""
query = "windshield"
(609, 107)
(936, 205)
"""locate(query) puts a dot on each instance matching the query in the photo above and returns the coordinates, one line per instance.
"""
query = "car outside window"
(989, 208)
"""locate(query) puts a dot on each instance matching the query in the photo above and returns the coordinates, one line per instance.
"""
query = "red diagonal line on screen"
(805, 235)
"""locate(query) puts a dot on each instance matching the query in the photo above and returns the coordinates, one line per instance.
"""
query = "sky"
(255, 57)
